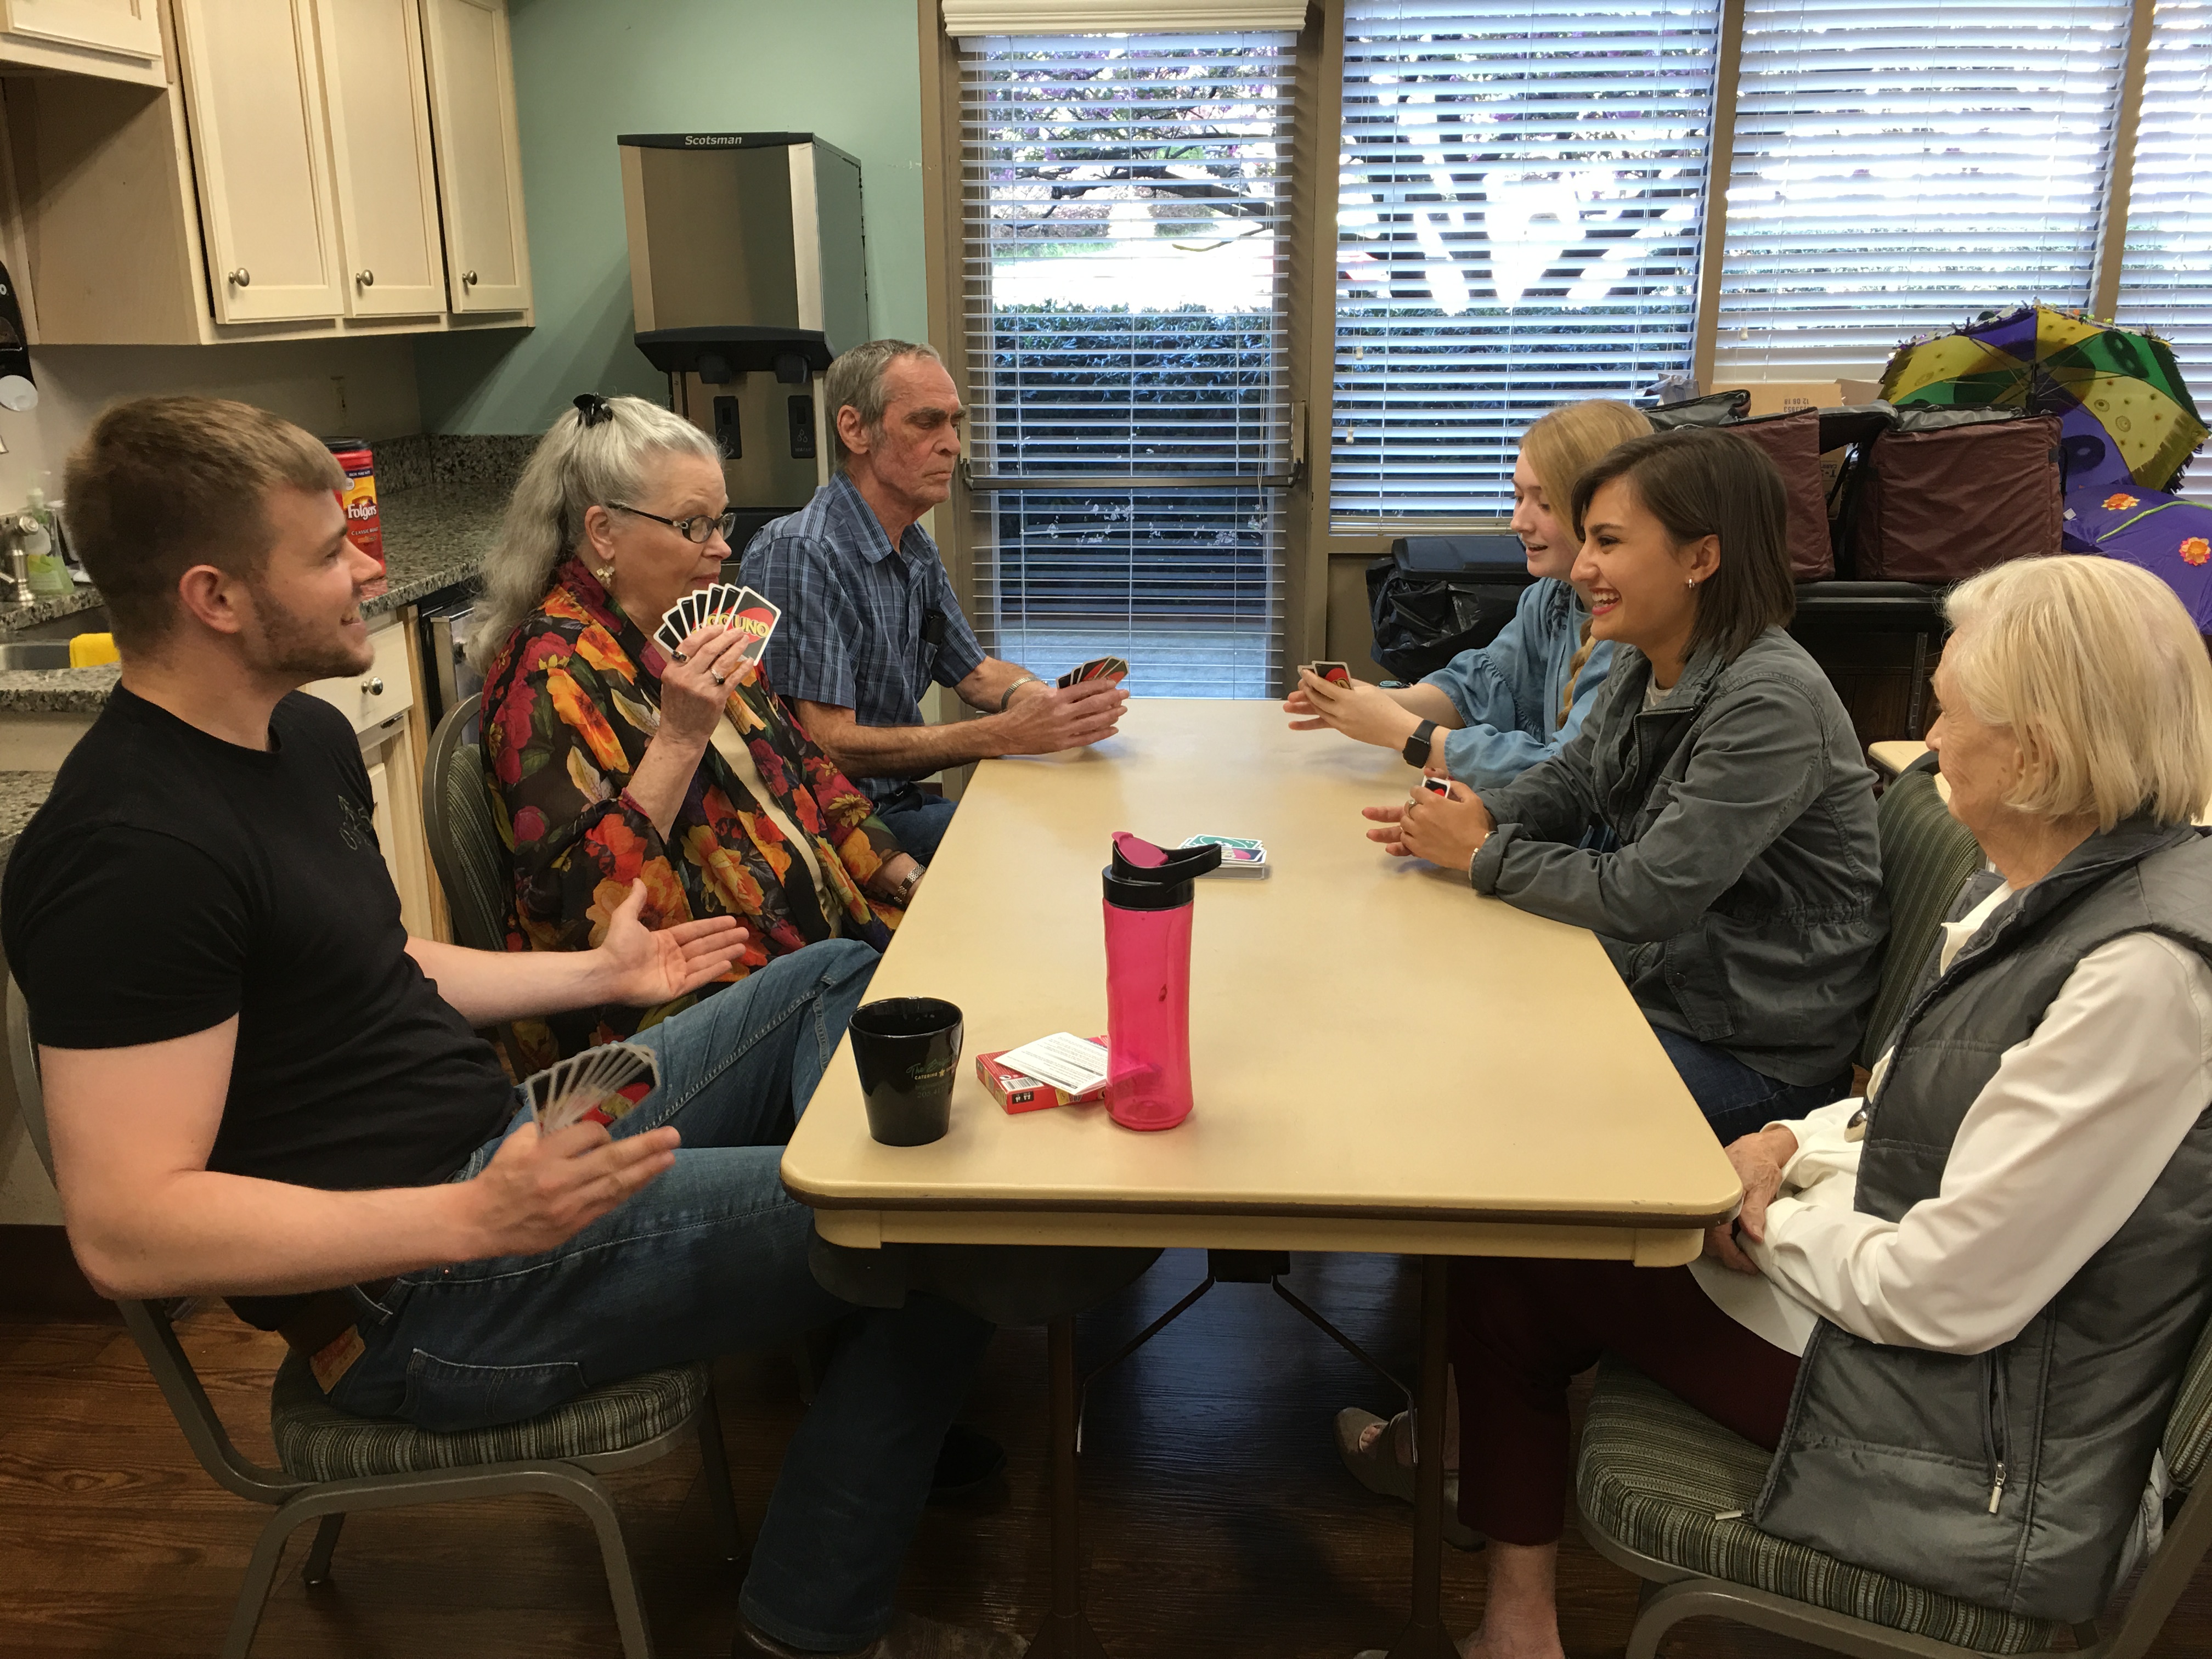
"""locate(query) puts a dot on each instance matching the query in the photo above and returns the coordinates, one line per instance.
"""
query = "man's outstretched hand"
(641, 968)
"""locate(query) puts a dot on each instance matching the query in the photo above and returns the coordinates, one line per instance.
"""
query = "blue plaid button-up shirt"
(855, 628)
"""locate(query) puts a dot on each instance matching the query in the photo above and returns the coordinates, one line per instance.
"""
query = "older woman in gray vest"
(1958, 1310)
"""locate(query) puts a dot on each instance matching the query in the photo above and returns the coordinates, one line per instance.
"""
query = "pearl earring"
(1689, 582)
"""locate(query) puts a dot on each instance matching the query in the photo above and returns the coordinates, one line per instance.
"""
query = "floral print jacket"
(569, 704)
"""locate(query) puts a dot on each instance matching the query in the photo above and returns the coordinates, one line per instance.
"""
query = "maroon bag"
(1936, 506)
(1793, 442)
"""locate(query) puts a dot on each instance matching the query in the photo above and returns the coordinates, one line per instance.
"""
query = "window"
(2166, 268)
(1902, 164)
(1518, 222)
(1125, 247)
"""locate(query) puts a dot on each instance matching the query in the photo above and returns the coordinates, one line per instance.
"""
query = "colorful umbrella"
(2170, 538)
(2125, 412)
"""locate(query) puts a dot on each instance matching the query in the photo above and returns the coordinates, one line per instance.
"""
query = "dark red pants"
(1521, 1330)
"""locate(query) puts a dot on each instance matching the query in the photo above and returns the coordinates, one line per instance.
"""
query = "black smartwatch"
(1417, 748)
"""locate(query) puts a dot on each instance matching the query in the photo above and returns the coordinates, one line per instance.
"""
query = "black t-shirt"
(173, 880)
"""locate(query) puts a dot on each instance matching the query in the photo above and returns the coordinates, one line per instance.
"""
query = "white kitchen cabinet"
(479, 161)
(254, 91)
(118, 40)
(288, 186)
(378, 101)
(378, 701)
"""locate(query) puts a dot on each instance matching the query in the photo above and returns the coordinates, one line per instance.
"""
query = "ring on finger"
(678, 656)
(713, 675)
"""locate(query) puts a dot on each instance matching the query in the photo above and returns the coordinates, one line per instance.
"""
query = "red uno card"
(1336, 674)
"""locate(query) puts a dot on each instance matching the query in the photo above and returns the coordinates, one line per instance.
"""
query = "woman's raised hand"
(1361, 711)
(697, 682)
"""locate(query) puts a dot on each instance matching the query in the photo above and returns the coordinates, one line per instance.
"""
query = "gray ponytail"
(575, 468)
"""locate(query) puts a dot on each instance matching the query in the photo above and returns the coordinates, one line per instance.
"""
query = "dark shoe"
(910, 1637)
(967, 1461)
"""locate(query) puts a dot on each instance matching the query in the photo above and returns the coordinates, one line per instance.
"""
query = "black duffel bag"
(1437, 596)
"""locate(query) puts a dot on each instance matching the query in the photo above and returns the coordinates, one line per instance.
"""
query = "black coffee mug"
(906, 1050)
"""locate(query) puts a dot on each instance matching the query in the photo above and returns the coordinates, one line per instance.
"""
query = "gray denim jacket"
(1722, 846)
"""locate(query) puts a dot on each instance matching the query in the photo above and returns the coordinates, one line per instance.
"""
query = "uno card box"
(1018, 1093)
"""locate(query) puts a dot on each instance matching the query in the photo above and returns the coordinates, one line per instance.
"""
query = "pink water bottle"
(1148, 912)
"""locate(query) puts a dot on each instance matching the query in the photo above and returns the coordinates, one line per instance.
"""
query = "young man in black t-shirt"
(259, 1086)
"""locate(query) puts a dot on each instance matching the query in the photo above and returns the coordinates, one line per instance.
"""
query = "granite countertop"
(434, 536)
(21, 794)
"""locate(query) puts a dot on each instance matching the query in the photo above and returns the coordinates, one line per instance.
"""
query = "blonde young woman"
(1492, 713)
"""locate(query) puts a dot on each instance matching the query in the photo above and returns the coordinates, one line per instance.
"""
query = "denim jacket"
(1742, 895)
(1509, 692)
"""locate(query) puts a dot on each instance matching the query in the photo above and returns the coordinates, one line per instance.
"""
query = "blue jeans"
(1735, 1099)
(710, 1259)
(917, 819)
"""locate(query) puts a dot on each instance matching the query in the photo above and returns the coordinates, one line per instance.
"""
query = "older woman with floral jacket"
(614, 762)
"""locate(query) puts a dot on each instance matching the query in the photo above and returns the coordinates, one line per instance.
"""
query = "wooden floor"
(1219, 1521)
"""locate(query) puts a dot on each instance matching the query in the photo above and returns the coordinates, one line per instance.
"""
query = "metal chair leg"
(589, 1496)
(260, 1577)
(326, 1540)
(716, 1472)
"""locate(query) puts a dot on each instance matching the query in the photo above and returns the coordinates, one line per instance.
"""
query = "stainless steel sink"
(34, 653)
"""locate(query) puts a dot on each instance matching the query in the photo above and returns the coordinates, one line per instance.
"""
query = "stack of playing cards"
(602, 1084)
(1017, 1092)
(1099, 668)
(1336, 674)
(1240, 856)
(752, 615)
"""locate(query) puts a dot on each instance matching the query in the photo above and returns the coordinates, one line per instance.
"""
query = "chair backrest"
(147, 1322)
(1926, 857)
(464, 840)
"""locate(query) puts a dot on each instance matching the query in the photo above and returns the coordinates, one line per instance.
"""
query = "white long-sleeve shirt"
(2052, 1157)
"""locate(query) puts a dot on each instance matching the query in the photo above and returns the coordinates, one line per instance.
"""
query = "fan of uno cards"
(754, 615)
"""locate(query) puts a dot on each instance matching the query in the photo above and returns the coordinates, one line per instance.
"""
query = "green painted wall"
(586, 69)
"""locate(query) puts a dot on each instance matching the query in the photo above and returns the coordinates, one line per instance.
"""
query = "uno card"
(1437, 786)
(754, 615)
(1099, 668)
(1228, 844)
(1336, 674)
(671, 633)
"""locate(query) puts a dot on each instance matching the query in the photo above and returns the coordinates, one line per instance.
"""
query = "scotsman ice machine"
(748, 272)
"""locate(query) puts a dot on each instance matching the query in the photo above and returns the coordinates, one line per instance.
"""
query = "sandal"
(1378, 1469)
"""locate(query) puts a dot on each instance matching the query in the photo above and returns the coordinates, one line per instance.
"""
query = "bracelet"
(1026, 679)
(913, 881)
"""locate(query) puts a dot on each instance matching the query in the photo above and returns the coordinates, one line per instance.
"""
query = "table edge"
(973, 1203)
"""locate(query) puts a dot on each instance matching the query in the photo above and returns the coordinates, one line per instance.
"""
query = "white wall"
(361, 388)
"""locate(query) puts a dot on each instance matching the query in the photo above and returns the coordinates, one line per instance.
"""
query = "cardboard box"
(1788, 397)
(1018, 1093)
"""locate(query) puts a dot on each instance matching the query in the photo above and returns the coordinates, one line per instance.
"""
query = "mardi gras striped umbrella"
(2124, 413)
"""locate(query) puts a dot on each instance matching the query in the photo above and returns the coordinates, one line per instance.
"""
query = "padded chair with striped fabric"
(1666, 1493)
(465, 847)
(1926, 857)
(331, 1463)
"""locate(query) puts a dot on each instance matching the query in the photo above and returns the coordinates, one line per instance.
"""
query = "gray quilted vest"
(2011, 1479)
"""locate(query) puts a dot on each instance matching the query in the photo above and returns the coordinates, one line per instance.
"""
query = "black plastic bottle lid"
(1143, 877)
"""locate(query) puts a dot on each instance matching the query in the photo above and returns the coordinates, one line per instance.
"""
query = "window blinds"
(963, 18)
(2166, 266)
(1902, 164)
(1521, 186)
(1125, 240)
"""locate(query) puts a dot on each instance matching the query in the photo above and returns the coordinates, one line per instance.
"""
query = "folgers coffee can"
(358, 498)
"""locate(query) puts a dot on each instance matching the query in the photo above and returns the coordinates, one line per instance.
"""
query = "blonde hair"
(575, 468)
(1562, 445)
(2102, 679)
(160, 484)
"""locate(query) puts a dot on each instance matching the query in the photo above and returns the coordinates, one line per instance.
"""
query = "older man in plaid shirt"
(869, 615)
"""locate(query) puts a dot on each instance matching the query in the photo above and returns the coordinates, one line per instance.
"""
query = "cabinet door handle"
(365, 278)
(374, 688)
(469, 279)
(242, 277)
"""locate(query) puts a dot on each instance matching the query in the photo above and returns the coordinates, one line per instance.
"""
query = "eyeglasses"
(701, 529)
